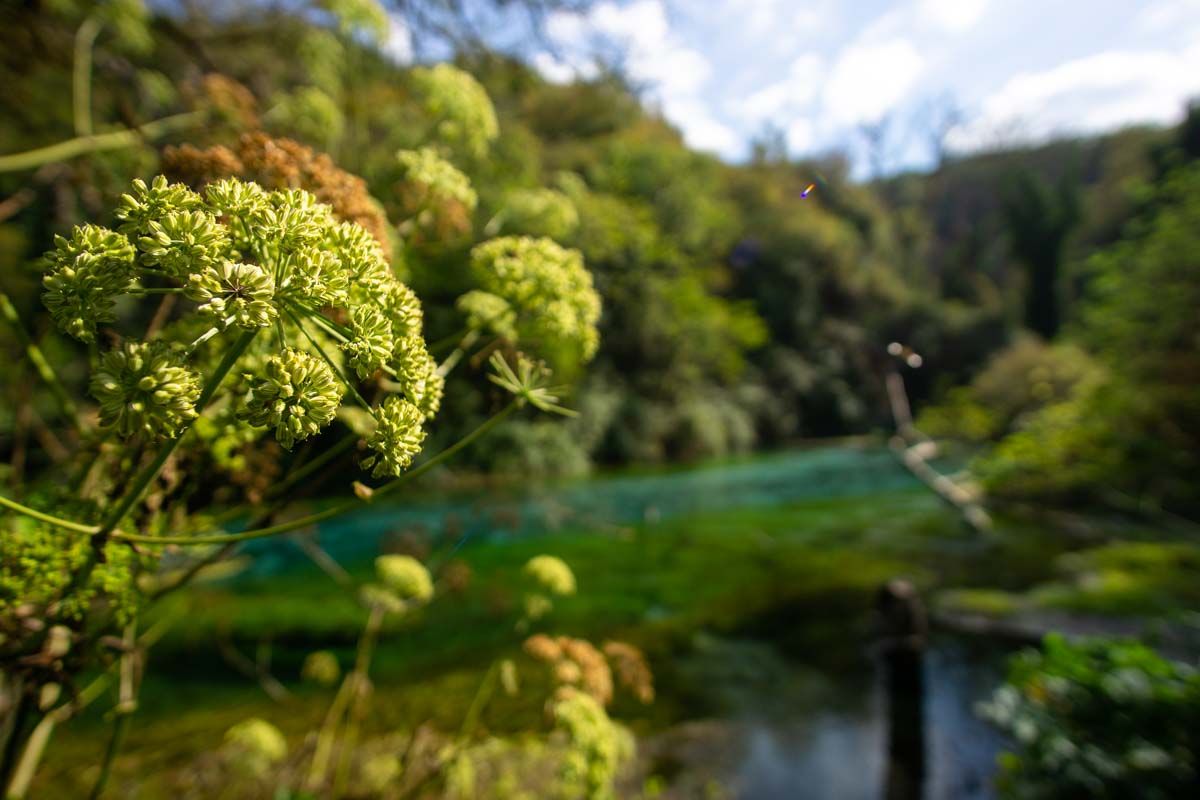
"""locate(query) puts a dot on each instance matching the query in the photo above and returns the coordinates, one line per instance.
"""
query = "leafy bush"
(1098, 719)
(1017, 382)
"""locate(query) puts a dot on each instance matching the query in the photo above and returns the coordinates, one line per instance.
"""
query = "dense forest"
(356, 263)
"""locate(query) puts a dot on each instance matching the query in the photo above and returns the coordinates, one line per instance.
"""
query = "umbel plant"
(234, 319)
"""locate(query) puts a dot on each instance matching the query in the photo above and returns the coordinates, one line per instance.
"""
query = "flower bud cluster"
(297, 396)
(84, 275)
(547, 285)
(459, 106)
(145, 387)
(249, 259)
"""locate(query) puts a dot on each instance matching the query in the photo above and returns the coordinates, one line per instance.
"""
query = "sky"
(820, 70)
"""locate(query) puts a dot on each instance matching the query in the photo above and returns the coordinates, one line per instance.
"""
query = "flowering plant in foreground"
(268, 318)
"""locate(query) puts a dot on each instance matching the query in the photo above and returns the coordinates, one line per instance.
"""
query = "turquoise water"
(605, 500)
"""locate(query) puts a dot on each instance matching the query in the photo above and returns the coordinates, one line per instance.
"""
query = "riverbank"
(776, 582)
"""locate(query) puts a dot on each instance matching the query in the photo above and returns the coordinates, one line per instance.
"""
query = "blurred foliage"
(1098, 719)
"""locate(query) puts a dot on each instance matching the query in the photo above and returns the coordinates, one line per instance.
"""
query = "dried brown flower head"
(230, 99)
(632, 671)
(543, 648)
(283, 164)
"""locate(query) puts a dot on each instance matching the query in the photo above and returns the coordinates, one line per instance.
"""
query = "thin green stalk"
(36, 744)
(13, 505)
(38, 359)
(358, 700)
(72, 148)
(126, 705)
(303, 472)
(340, 508)
(81, 87)
(155, 290)
(342, 376)
(486, 687)
(143, 479)
(120, 728)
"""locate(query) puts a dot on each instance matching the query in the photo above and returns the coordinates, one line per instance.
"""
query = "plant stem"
(358, 698)
(334, 511)
(71, 148)
(126, 705)
(35, 745)
(85, 38)
(155, 290)
(38, 359)
(120, 728)
(13, 505)
(342, 376)
(143, 479)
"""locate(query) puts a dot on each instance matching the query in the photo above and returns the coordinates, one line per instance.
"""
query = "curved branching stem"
(333, 511)
(38, 359)
(59, 522)
(81, 145)
(81, 88)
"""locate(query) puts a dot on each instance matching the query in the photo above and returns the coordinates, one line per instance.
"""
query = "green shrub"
(1098, 719)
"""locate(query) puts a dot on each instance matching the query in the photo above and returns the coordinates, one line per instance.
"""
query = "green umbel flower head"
(144, 387)
(321, 667)
(550, 289)
(297, 396)
(84, 274)
(487, 311)
(540, 212)
(417, 370)
(373, 340)
(405, 576)
(397, 439)
(183, 242)
(255, 745)
(146, 204)
(238, 293)
(552, 574)
(439, 179)
(459, 105)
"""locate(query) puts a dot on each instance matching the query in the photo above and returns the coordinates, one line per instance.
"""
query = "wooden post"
(902, 629)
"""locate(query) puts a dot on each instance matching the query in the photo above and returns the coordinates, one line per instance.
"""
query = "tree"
(1040, 218)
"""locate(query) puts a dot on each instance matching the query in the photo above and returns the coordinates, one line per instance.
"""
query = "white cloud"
(868, 80)
(800, 135)
(674, 73)
(1089, 94)
(1168, 15)
(553, 69)
(789, 95)
(399, 44)
(951, 16)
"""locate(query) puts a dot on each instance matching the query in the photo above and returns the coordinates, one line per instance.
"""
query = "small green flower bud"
(552, 574)
(184, 242)
(417, 370)
(373, 341)
(405, 576)
(147, 204)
